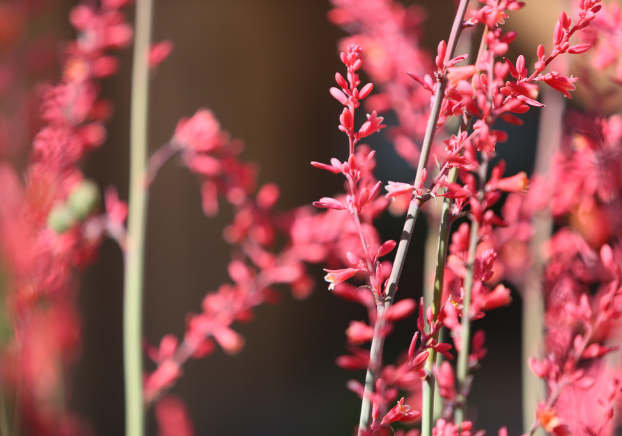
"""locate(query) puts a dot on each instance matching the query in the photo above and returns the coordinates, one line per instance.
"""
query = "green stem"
(409, 225)
(427, 413)
(137, 219)
(430, 403)
(465, 333)
(462, 369)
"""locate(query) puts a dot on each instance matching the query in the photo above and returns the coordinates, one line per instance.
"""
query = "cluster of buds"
(391, 33)
(363, 188)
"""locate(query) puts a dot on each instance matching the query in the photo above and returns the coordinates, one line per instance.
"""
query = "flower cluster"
(256, 265)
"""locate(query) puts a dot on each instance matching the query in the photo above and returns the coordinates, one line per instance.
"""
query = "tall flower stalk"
(137, 223)
(413, 211)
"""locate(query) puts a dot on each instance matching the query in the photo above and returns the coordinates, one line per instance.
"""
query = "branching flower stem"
(411, 217)
(137, 219)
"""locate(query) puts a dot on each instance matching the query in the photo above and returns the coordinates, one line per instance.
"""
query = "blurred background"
(265, 67)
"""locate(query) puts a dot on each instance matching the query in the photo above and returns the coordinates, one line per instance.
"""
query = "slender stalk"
(427, 412)
(137, 219)
(462, 369)
(411, 217)
(465, 333)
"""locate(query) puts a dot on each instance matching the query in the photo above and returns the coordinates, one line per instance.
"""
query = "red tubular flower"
(396, 189)
(334, 277)
(400, 412)
(372, 125)
(401, 310)
(516, 183)
(329, 203)
(560, 83)
(498, 297)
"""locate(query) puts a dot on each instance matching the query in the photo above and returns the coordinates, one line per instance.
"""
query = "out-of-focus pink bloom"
(444, 428)
(200, 133)
(516, 183)
(401, 310)
(172, 417)
(444, 375)
(162, 378)
(329, 203)
(158, 52)
(359, 333)
(498, 297)
(550, 422)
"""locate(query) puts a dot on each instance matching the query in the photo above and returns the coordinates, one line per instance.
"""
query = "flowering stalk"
(427, 417)
(137, 219)
(465, 337)
(413, 211)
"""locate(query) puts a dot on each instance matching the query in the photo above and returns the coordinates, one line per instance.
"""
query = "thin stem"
(158, 159)
(465, 332)
(462, 369)
(137, 218)
(427, 413)
(375, 356)
(411, 217)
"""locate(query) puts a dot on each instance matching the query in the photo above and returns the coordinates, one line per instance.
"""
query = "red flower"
(560, 83)
(200, 133)
(334, 277)
(400, 412)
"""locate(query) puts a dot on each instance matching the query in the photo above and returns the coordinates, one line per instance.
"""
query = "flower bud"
(61, 219)
(83, 199)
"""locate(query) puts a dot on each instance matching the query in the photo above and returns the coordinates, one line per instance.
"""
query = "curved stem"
(137, 218)
(411, 218)
(158, 159)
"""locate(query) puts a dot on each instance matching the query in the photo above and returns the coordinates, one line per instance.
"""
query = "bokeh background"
(264, 67)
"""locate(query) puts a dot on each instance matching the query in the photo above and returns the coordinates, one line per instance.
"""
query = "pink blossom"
(334, 277)
(560, 83)
(359, 333)
(159, 52)
(200, 133)
(172, 417)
